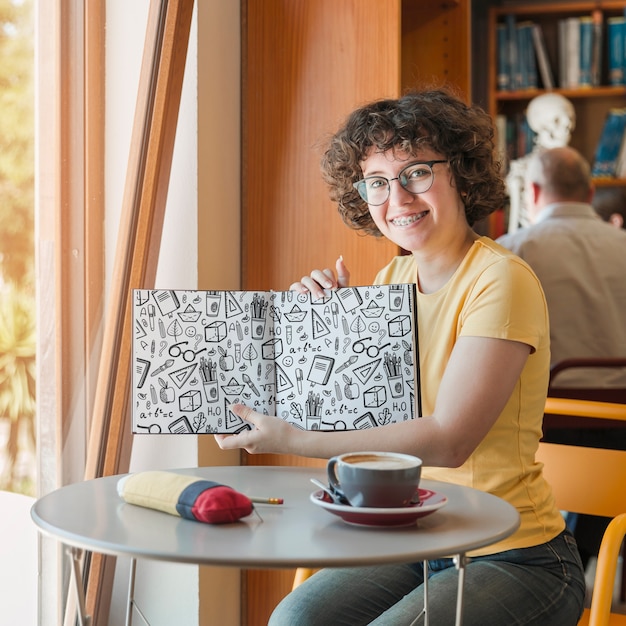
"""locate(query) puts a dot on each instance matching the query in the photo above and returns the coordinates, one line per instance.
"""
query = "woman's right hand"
(319, 280)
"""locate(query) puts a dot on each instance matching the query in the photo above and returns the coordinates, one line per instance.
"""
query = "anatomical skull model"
(553, 118)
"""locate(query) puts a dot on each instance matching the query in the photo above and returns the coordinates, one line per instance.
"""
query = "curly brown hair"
(436, 119)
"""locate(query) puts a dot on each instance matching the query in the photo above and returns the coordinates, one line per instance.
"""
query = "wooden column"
(306, 65)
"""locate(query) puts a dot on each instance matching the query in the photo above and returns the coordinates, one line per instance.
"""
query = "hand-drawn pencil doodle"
(346, 361)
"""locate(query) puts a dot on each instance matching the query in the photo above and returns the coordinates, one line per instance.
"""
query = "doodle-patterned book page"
(347, 361)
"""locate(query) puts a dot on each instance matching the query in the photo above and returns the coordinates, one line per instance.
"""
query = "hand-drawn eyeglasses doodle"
(372, 351)
(188, 355)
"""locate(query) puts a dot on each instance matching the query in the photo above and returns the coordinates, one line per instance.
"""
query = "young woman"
(420, 170)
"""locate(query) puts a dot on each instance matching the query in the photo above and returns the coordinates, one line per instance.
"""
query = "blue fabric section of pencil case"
(189, 495)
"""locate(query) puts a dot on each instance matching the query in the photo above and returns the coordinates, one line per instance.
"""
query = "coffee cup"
(375, 479)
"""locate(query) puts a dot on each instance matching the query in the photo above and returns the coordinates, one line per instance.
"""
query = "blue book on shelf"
(515, 78)
(596, 47)
(616, 28)
(525, 136)
(530, 57)
(586, 51)
(504, 77)
(522, 56)
(608, 147)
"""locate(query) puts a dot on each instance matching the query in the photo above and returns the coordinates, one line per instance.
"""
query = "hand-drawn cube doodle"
(215, 331)
(272, 349)
(190, 401)
(375, 396)
(399, 326)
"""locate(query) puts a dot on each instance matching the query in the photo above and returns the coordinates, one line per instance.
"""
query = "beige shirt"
(581, 263)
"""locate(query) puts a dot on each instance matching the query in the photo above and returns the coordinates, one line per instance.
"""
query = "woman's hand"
(269, 434)
(319, 280)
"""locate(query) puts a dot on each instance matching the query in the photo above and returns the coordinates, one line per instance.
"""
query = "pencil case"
(188, 497)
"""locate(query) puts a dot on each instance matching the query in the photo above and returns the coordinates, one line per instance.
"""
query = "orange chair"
(302, 573)
(591, 481)
(587, 431)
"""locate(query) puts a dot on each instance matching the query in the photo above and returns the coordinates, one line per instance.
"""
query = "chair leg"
(302, 573)
(622, 587)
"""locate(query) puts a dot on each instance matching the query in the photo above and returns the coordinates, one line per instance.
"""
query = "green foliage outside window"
(17, 381)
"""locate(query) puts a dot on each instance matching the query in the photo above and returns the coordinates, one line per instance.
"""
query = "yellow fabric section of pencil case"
(155, 489)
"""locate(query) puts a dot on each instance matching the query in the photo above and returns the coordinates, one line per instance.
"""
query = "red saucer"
(430, 501)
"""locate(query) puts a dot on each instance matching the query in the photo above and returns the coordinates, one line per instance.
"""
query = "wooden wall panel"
(306, 65)
(305, 68)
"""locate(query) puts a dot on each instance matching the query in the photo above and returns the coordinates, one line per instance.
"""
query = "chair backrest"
(613, 367)
(586, 480)
(601, 393)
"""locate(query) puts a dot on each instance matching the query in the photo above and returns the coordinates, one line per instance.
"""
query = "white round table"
(91, 516)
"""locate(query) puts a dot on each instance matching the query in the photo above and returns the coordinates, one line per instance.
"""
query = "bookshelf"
(590, 102)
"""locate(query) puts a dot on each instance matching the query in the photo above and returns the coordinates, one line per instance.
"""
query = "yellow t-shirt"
(493, 293)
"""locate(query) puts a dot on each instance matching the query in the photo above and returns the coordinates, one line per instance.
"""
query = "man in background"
(581, 263)
(579, 259)
(610, 204)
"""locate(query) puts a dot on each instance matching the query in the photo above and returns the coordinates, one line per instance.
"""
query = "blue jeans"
(543, 586)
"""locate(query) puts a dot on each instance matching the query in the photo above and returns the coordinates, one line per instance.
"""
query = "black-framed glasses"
(415, 178)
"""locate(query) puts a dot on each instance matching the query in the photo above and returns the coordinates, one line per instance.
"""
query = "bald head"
(557, 175)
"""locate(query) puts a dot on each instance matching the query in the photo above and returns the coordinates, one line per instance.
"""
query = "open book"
(346, 361)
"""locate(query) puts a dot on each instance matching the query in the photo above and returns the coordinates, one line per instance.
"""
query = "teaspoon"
(336, 498)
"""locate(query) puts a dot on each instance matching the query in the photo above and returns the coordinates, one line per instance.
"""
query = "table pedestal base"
(76, 583)
(75, 554)
(460, 561)
(131, 604)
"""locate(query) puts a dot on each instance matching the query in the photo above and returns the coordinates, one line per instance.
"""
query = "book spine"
(615, 41)
(511, 139)
(573, 52)
(501, 139)
(620, 166)
(543, 62)
(623, 51)
(504, 81)
(608, 148)
(525, 136)
(513, 53)
(522, 65)
(530, 56)
(596, 48)
(562, 47)
(586, 51)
